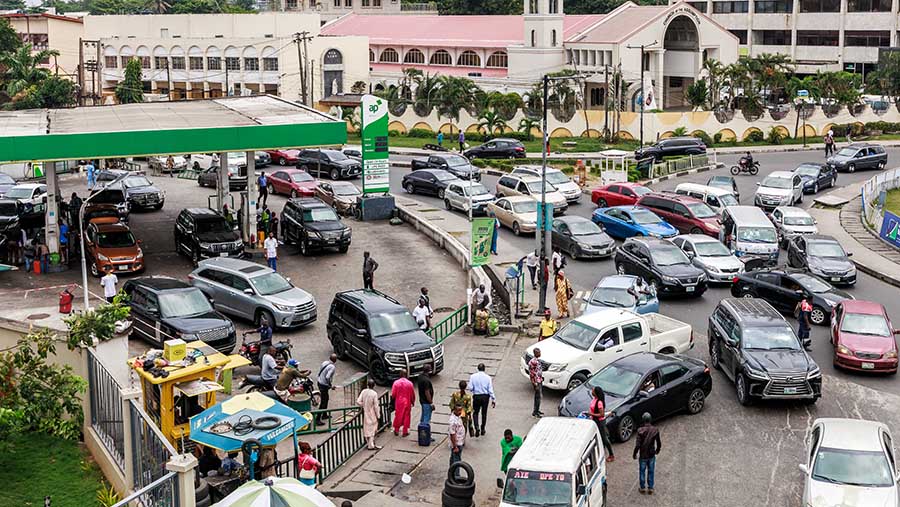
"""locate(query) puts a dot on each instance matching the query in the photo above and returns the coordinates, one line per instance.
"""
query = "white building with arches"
(510, 53)
(210, 55)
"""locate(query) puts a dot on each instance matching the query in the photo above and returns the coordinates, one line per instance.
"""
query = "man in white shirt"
(532, 262)
(422, 314)
(482, 387)
(557, 261)
(271, 246)
(457, 431)
(108, 282)
(481, 298)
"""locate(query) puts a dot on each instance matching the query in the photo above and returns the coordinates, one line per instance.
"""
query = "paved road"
(585, 274)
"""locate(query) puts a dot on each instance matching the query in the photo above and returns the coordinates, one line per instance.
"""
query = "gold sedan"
(518, 213)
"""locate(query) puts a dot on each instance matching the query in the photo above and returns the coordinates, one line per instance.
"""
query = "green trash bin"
(300, 405)
(54, 258)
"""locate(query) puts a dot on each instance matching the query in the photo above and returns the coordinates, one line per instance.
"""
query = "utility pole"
(98, 91)
(226, 79)
(80, 71)
(542, 211)
(606, 103)
(643, 98)
(302, 56)
(168, 80)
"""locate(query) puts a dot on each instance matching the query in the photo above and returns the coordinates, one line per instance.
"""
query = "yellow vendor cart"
(176, 392)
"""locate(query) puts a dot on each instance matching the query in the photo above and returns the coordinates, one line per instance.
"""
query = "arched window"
(532, 6)
(389, 55)
(333, 57)
(414, 56)
(553, 38)
(441, 57)
(554, 6)
(371, 56)
(468, 59)
(533, 38)
(498, 60)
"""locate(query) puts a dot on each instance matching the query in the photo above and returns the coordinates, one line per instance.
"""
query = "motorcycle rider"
(269, 368)
(288, 374)
(265, 337)
(747, 161)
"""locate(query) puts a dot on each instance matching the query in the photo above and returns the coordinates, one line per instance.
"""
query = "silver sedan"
(711, 256)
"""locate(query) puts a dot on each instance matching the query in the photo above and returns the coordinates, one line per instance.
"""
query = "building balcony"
(819, 21)
(860, 55)
(776, 21)
(868, 21)
(812, 54)
(759, 49)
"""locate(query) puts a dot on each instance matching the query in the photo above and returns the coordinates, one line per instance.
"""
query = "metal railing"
(106, 409)
(688, 162)
(162, 492)
(349, 439)
(871, 195)
(450, 324)
(150, 449)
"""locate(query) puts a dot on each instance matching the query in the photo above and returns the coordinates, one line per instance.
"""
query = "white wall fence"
(871, 197)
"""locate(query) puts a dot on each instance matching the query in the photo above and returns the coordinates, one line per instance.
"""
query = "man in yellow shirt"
(548, 326)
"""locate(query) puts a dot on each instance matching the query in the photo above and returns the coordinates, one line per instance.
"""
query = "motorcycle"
(744, 167)
(250, 350)
(305, 385)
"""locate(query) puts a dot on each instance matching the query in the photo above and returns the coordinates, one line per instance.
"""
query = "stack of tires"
(201, 492)
(459, 492)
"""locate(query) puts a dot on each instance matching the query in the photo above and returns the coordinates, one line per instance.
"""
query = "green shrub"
(703, 136)
(479, 163)
(755, 136)
(717, 138)
(775, 136)
(425, 133)
(840, 129)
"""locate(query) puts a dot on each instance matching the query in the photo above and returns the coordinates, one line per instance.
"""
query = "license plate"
(790, 390)
(305, 316)
(223, 254)
(331, 241)
(689, 289)
(868, 366)
(123, 268)
(835, 279)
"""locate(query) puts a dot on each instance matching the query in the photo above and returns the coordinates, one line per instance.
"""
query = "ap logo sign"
(890, 229)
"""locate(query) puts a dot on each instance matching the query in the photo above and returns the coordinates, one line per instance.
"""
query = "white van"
(561, 463)
(750, 235)
(716, 198)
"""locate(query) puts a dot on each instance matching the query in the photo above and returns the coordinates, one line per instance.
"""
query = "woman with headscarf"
(563, 294)
(463, 400)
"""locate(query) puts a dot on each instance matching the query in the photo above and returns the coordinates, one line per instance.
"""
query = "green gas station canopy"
(161, 128)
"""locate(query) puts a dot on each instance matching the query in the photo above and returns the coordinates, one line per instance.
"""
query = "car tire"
(696, 401)
(851, 168)
(516, 229)
(343, 249)
(199, 181)
(818, 316)
(378, 371)
(204, 502)
(800, 199)
(574, 252)
(715, 356)
(304, 247)
(337, 345)
(620, 269)
(335, 174)
(447, 205)
(201, 490)
(263, 314)
(467, 468)
(410, 189)
(816, 187)
(880, 165)
(601, 203)
(742, 390)
(282, 161)
(305, 169)
(575, 381)
(625, 429)
(195, 257)
(293, 193)
(440, 194)
(696, 230)
(94, 271)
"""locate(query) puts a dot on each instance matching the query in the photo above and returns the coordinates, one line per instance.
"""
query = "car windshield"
(537, 488)
(615, 380)
(217, 224)
(301, 177)
(19, 193)
(720, 180)
(535, 187)
(335, 155)
(6, 179)
(115, 239)
(392, 323)
(270, 283)
(475, 190)
(616, 297)
(640, 190)
(825, 249)
(711, 249)
(107, 197)
(136, 181)
(757, 234)
(668, 256)
(444, 176)
(807, 170)
(645, 217)
(525, 207)
(853, 468)
(557, 178)
(812, 283)
(319, 215)
(728, 200)
(577, 335)
(798, 220)
(862, 323)
(847, 152)
(456, 160)
(770, 338)
(345, 189)
(183, 303)
(584, 228)
(701, 210)
(777, 182)
(8, 209)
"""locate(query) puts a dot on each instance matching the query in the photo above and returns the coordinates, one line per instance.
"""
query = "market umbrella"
(275, 492)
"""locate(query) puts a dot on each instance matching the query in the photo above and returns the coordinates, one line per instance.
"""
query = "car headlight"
(891, 354)
(318, 235)
(205, 246)
(669, 279)
(140, 254)
(238, 243)
(189, 336)
(814, 373)
(714, 269)
(844, 350)
(558, 367)
(655, 235)
(702, 277)
(283, 308)
(346, 232)
(394, 358)
(102, 257)
(751, 372)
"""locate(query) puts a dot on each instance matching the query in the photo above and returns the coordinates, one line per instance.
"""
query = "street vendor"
(288, 374)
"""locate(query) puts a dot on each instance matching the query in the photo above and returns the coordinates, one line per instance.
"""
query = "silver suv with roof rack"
(253, 291)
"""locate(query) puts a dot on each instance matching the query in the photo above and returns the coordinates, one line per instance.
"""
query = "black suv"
(757, 349)
(312, 224)
(10, 209)
(115, 195)
(201, 233)
(164, 308)
(497, 148)
(662, 264)
(140, 192)
(454, 164)
(783, 289)
(330, 162)
(671, 147)
(379, 333)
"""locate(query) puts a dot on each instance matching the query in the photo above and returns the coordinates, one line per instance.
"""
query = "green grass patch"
(34, 465)
(892, 201)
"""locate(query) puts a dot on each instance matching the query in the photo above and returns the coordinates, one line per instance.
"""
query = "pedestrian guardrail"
(418, 7)
(150, 449)
(685, 163)
(872, 198)
(189, 174)
(450, 324)
(106, 409)
(162, 492)
(348, 439)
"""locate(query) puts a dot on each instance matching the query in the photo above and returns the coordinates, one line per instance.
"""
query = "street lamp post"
(543, 241)
(84, 279)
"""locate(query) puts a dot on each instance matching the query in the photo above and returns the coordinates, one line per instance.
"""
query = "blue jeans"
(494, 241)
(648, 467)
(29, 263)
(272, 262)
(45, 264)
(456, 456)
(427, 409)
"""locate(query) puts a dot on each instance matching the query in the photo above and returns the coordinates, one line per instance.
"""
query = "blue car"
(627, 221)
(628, 292)
(815, 176)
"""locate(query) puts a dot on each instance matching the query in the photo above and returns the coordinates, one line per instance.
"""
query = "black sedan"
(784, 289)
(815, 176)
(457, 165)
(111, 174)
(659, 384)
(580, 237)
(822, 256)
(428, 181)
(497, 148)
(662, 264)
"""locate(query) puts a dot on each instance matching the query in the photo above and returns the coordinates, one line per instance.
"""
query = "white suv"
(568, 188)
(779, 188)
(527, 185)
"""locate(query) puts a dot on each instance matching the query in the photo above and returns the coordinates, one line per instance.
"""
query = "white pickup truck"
(586, 344)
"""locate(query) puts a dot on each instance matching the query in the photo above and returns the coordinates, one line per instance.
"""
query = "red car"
(688, 215)
(863, 338)
(293, 182)
(284, 157)
(618, 194)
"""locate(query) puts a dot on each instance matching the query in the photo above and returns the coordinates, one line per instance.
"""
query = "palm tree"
(491, 122)
(454, 94)
(808, 83)
(159, 6)
(426, 94)
(526, 125)
(23, 69)
(715, 75)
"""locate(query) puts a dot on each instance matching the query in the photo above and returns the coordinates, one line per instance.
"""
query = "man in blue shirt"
(263, 195)
(63, 243)
(269, 368)
(482, 387)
